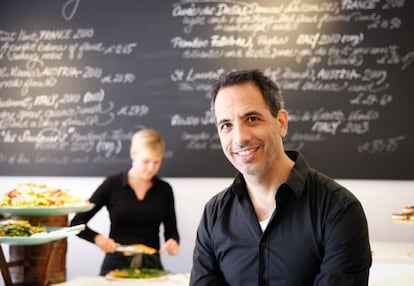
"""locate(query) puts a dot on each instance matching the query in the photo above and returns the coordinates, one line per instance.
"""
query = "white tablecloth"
(170, 280)
(393, 265)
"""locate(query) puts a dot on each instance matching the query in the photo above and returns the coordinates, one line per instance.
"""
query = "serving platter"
(160, 275)
(54, 233)
(136, 281)
(407, 221)
(41, 211)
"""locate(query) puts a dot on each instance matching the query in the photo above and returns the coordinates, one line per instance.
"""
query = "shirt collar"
(297, 178)
(124, 179)
(295, 182)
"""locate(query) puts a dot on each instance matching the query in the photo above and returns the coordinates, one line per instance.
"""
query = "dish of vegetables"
(20, 228)
(36, 199)
(135, 273)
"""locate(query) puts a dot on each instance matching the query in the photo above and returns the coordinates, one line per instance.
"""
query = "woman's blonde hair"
(150, 140)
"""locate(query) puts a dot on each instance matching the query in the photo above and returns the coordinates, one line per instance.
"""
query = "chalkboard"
(78, 78)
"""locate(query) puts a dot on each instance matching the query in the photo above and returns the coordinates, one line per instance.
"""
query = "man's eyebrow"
(247, 114)
(222, 121)
(251, 113)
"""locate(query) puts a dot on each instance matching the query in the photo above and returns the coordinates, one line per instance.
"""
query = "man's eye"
(252, 119)
(225, 126)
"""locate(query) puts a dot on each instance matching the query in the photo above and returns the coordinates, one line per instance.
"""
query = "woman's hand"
(106, 244)
(171, 246)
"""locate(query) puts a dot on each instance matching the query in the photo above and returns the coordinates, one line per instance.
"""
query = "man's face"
(250, 136)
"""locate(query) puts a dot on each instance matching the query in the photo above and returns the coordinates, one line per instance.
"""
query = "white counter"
(393, 265)
(171, 280)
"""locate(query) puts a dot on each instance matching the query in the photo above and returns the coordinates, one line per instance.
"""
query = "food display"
(145, 249)
(20, 228)
(405, 214)
(136, 273)
(39, 195)
(136, 248)
(36, 199)
(21, 232)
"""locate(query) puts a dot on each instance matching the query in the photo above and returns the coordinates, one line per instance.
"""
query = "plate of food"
(41, 211)
(21, 232)
(404, 215)
(136, 249)
(36, 199)
(138, 274)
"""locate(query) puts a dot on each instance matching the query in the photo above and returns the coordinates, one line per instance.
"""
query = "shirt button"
(262, 245)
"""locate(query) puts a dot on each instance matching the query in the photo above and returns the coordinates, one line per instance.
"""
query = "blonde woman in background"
(138, 202)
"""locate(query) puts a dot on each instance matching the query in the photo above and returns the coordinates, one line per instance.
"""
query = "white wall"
(379, 198)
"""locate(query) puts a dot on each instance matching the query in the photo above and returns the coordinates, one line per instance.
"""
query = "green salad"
(20, 228)
(135, 273)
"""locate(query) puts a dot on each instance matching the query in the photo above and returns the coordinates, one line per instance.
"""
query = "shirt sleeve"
(99, 198)
(170, 219)
(347, 254)
(205, 270)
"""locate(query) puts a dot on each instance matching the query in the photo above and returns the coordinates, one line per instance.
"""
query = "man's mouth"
(245, 152)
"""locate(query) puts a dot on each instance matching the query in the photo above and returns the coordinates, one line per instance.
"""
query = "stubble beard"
(246, 168)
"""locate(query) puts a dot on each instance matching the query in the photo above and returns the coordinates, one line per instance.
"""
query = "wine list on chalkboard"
(77, 80)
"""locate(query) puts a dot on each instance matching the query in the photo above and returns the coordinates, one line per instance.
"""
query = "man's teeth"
(245, 152)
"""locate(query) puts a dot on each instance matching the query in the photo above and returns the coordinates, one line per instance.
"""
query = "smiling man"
(280, 222)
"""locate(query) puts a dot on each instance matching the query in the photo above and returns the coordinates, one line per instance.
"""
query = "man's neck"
(262, 190)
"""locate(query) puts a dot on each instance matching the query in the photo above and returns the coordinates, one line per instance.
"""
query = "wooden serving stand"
(5, 267)
(41, 263)
(36, 264)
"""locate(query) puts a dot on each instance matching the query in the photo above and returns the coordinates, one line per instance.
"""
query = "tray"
(40, 211)
(407, 221)
(163, 277)
(54, 233)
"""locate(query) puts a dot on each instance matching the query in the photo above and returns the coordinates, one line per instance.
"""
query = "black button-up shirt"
(317, 236)
(132, 220)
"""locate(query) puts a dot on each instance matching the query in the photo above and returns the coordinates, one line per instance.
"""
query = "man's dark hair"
(269, 89)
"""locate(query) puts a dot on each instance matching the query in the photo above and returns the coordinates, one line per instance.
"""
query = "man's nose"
(241, 134)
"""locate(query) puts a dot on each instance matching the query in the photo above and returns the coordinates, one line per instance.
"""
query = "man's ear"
(282, 119)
